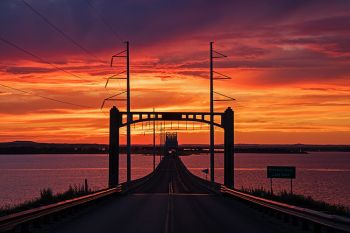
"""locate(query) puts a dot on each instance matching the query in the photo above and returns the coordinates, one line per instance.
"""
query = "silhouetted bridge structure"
(120, 119)
(171, 199)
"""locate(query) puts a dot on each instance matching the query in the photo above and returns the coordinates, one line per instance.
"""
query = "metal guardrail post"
(299, 217)
(22, 221)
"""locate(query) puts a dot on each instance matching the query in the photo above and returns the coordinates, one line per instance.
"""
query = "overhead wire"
(43, 61)
(12, 44)
(100, 17)
(60, 31)
(45, 97)
(115, 34)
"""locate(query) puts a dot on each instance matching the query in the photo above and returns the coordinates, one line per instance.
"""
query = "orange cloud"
(289, 68)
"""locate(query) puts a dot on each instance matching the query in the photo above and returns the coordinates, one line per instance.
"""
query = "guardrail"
(205, 184)
(21, 222)
(308, 219)
(135, 184)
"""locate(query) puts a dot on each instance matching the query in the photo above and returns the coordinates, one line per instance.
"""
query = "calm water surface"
(324, 176)
(23, 176)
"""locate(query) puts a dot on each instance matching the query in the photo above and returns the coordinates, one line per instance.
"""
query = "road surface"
(169, 202)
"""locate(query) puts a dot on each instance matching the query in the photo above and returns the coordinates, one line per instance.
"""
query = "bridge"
(171, 144)
(118, 119)
(171, 199)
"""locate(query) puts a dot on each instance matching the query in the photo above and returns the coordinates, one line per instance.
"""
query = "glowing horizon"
(290, 70)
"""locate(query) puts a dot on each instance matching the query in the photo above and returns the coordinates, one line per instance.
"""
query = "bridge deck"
(169, 202)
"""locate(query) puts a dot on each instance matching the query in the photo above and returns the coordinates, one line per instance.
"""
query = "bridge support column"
(228, 124)
(114, 125)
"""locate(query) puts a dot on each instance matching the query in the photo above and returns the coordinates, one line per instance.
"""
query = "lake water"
(323, 175)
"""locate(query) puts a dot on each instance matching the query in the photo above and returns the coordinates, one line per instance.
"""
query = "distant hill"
(29, 147)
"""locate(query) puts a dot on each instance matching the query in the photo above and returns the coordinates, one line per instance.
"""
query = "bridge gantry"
(119, 119)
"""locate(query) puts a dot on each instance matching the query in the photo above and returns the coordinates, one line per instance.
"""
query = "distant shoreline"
(28, 147)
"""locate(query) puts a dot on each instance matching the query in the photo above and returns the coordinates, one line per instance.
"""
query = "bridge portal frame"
(117, 121)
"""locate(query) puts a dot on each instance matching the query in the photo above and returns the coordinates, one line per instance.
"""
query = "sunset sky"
(289, 62)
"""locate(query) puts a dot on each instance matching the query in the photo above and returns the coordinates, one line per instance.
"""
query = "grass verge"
(46, 197)
(301, 201)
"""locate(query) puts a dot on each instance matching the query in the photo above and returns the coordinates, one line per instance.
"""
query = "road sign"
(206, 171)
(283, 172)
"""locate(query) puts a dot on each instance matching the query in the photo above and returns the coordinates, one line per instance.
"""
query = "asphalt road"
(169, 202)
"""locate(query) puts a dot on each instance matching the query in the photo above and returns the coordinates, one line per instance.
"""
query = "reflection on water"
(324, 176)
(22, 176)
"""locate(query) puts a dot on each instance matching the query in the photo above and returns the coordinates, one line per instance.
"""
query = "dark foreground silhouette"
(170, 201)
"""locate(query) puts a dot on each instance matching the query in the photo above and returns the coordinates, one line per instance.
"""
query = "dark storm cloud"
(144, 22)
(335, 24)
(155, 23)
(26, 70)
(298, 58)
(331, 43)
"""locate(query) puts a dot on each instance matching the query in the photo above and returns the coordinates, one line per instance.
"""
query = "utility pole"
(116, 97)
(214, 55)
(128, 118)
(211, 115)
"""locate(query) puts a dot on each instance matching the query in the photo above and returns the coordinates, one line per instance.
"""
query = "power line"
(37, 57)
(103, 20)
(65, 35)
(45, 97)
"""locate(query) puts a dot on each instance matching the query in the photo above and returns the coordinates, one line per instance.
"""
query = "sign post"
(271, 190)
(206, 171)
(281, 172)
